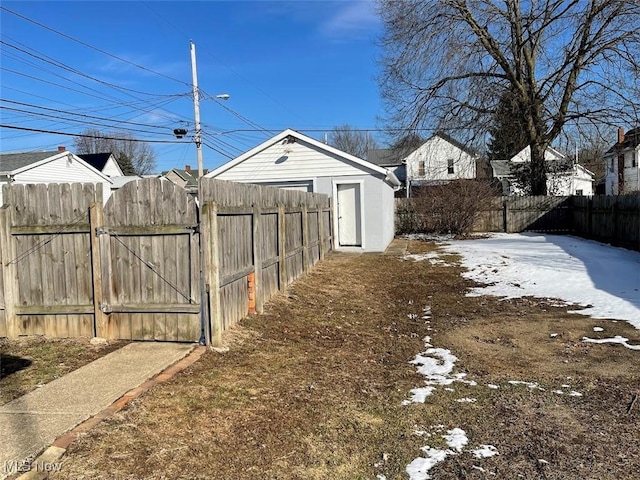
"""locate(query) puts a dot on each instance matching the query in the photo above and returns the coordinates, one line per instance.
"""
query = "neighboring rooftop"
(10, 162)
(631, 140)
(96, 160)
(383, 157)
(188, 175)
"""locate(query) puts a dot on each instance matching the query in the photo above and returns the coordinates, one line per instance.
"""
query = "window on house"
(450, 166)
(611, 166)
(634, 161)
(579, 192)
(421, 168)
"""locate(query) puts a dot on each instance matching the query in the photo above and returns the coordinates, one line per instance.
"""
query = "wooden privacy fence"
(133, 270)
(610, 219)
(266, 238)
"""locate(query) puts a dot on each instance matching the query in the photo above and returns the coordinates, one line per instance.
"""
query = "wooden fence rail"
(133, 269)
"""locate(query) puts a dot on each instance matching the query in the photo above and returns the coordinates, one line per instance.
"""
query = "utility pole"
(196, 111)
(204, 323)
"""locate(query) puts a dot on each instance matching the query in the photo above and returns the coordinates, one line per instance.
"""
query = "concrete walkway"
(397, 247)
(31, 423)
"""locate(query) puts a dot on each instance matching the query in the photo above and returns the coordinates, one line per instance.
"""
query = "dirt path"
(314, 389)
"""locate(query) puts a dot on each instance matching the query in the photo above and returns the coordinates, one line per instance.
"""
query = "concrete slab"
(32, 422)
(397, 247)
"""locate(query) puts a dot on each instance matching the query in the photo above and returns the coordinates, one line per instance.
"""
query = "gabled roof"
(11, 162)
(501, 168)
(97, 160)
(456, 143)
(186, 175)
(15, 163)
(319, 145)
(384, 157)
(631, 141)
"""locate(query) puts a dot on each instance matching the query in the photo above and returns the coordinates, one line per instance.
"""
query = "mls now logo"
(14, 466)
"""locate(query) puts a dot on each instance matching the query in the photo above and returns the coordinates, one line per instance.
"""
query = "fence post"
(96, 221)
(257, 259)
(589, 216)
(281, 247)
(614, 219)
(211, 271)
(305, 238)
(321, 242)
(8, 272)
(505, 216)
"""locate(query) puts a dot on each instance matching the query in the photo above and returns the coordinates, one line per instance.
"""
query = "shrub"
(450, 208)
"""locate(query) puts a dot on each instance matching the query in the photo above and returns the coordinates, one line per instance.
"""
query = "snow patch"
(433, 257)
(598, 329)
(419, 467)
(485, 451)
(436, 364)
(466, 400)
(554, 266)
(616, 339)
(456, 439)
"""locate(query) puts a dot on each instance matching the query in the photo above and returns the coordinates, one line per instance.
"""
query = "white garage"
(362, 193)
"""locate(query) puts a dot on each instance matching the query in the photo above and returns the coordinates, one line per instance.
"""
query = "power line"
(74, 114)
(69, 37)
(105, 137)
(52, 61)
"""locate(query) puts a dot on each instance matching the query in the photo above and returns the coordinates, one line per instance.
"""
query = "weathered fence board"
(132, 269)
(272, 236)
(156, 281)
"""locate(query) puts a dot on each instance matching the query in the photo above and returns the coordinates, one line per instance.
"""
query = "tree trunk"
(538, 172)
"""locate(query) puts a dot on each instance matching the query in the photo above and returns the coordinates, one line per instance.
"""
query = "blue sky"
(306, 65)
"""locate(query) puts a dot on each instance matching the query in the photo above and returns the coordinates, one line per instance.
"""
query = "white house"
(572, 180)
(439, 160)
(104, 162)
(362, 192)
(60, 166)
(622, 164)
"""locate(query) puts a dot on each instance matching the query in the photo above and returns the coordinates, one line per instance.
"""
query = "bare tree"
(134, 157)
(446, 64)
(352, 141)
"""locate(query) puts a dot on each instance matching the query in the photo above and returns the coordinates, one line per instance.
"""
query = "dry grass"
(28, 362)
(312, 389)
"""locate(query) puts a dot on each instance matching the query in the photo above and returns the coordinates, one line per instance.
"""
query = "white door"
(349, 224)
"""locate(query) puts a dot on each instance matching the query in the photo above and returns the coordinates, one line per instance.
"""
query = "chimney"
(62, 149)
(620, 135)
(187, 168)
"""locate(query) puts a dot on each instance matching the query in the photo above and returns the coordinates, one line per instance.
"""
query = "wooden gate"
(149, 263)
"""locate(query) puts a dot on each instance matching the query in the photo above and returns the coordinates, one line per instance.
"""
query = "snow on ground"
(457, 440)
(436, 364)
(577, 271)
(616, 339)
(433, 257)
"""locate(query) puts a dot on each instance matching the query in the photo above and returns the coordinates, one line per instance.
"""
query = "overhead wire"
(106, 137)
(69, 37)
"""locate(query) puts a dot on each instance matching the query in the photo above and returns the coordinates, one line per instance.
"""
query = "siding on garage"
(293, 161)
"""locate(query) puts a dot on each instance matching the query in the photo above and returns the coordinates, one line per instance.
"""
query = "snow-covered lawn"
(602, 278)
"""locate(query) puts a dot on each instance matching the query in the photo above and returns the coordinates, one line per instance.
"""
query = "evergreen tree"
(508, 130)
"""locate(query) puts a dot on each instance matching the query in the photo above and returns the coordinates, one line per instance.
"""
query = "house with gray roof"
(59, 166)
